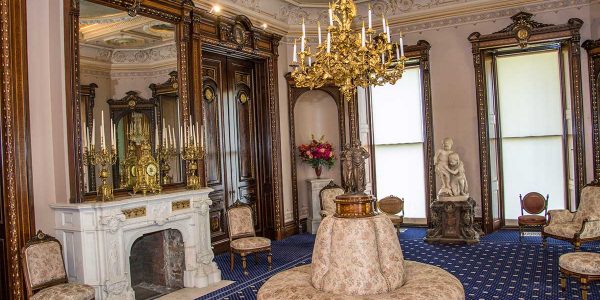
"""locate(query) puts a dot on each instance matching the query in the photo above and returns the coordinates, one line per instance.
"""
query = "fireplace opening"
(157, 262)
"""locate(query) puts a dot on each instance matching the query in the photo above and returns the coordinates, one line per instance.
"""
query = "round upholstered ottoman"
(582, 265)
(361, 258)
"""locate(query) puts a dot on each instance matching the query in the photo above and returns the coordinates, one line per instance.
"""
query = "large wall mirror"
(125, 65)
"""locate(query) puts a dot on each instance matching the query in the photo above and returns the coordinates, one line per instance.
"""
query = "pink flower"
(322, 150)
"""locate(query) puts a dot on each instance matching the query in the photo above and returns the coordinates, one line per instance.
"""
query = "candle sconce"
(105, 157)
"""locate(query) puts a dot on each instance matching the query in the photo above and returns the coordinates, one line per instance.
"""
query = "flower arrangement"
(317, 154)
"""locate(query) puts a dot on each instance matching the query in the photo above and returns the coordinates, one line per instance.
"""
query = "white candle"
(197, 134)
(180, 138)
(85, 137)
(156, 139)
(115, 135)
(382, 59)
(383, 22)
(328, 42)
(370, 19)
(398, 52)
(112, 137)
(102, 141)
(302, 41)
(295, 52)
(319, 32)
(401, 45)
(330, 16)
(363, 36)
(303, 29)
(93, 143)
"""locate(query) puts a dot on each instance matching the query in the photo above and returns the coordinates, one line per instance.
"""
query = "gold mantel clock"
(147, 175)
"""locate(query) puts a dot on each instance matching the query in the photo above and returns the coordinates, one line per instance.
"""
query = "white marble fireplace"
(97, 238)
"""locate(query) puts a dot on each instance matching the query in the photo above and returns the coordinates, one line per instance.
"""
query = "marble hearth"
(97, 238)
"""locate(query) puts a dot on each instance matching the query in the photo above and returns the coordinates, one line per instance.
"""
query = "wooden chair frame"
(545, 210)
(584, 280)
(392, 196)
(329, 186)
(244, 253)
(40, 238)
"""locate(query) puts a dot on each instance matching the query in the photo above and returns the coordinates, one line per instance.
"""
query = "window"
(398, 140)
(530, 139)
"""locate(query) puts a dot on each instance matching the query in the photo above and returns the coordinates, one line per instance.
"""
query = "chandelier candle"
(348, 60)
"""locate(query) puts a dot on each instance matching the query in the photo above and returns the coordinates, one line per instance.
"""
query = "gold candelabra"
(164, 154)
(348, 59)
(192, 150)
(105, 157)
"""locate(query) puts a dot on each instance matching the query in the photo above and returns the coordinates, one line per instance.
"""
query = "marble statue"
(353, 168)
(450, 170)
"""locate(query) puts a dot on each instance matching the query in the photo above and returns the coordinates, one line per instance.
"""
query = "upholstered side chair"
(533, 204)
(581, 226)
(45, 274)
(327, 195)
(391, 206)
(242, 237)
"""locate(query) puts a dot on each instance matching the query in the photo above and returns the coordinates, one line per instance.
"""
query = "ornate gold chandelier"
(348, 59)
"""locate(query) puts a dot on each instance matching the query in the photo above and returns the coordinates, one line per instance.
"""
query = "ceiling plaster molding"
(443, 18)
(149, 55)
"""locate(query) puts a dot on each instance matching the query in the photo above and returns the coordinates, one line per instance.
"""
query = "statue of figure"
(441, 166)
(458, 183)
(359, 155)
(347, 171)
(353, 168)
(451, 171)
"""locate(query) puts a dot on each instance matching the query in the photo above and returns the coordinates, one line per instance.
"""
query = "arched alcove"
(315, 113)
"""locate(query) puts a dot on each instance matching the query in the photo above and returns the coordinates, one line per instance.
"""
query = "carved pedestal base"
(452, 219)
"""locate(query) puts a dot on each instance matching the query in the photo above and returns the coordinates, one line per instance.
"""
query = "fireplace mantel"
(97, 238)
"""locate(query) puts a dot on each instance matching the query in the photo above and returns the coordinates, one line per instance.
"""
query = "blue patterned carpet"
(500, 267)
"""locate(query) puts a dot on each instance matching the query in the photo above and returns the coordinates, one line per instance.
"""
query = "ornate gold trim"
(135, 212)
(179, 205)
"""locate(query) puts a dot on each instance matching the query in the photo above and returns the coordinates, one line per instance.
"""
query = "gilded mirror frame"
(176, 12)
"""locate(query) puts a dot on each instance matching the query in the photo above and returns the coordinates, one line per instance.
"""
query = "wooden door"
(229, 118)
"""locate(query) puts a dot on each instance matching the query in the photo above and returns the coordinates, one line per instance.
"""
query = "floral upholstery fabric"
(250, 243)
(581, 262)
(589, 205)
(67, 291)
(423, 282)
(560, 216)
(44, 263)
(240, 221)
(327, 197)
(567, 230)
(357, 256)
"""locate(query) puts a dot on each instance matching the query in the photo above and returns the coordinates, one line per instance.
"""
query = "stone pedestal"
(314, 213)
(452, 221)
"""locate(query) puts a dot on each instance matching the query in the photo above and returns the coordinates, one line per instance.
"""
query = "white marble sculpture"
(451, 171)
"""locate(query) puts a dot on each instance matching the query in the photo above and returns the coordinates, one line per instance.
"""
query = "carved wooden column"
(593, 51)
(17, 217)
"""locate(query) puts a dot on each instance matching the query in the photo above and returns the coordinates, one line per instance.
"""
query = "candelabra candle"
(104, 158)
(192, 153)
(164, 154)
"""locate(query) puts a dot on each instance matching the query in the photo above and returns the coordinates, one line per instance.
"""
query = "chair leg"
(244, 263)
(584, 287)
(231, 261)
(563, 281)
(544, 241)
(520, 233)
(270, 260)
(577, 245)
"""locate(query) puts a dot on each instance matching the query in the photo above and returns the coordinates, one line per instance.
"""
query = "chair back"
(43, 264)
(241, 223)
(391, 205)
(589, 204)
(534, 203)
(328, 194)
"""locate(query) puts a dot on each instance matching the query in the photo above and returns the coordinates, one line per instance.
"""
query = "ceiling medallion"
(349, 58)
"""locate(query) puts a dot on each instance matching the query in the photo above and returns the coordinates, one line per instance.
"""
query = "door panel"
(230, 122)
